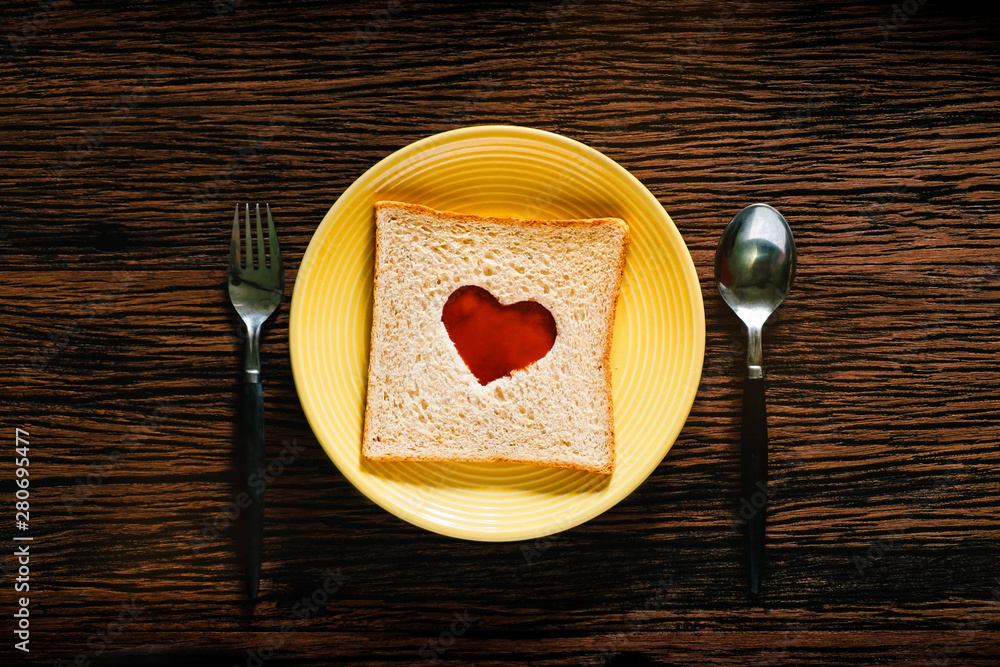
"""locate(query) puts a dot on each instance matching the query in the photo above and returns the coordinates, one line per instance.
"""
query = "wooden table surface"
(129, 129)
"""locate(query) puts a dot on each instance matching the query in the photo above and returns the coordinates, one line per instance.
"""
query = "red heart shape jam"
(494, 340)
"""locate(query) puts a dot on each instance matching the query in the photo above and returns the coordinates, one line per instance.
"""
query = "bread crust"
(617, 264)
(468, 217)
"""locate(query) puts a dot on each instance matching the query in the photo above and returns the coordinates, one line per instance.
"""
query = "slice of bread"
(425, 404)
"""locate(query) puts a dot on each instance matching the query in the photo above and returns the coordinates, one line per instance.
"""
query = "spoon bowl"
(755, 263)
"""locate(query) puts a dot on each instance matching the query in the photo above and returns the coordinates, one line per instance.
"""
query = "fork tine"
(234, 244)
(273, 238)
(260, 241)
(249, 241)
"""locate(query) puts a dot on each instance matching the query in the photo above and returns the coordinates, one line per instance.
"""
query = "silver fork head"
(273, 254)
(257, 290)
(256, 280)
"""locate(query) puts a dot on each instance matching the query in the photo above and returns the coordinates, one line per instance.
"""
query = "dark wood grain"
(129, 129)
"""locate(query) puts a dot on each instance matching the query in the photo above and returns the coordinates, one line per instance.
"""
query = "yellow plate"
(656, 356)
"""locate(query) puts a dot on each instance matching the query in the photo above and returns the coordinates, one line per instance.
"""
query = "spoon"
(754, 268)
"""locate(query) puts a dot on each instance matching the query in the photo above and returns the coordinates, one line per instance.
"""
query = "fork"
(255, 288)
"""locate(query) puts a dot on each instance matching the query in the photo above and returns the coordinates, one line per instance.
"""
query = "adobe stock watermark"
(666, 591)
(735, 355)
(459, 113)
(565, 9)
(98, 642)
(722, 365)
(213, 527)
(956, 298)
(537, 548)
(711, 30)
(87, 485)
(34, 23)
(419, 496)
(225, 7)
(550, 192)
(462, 109)
(60, 339)
(875, 208)
(302, 610)
(779, 477)
(435, 649)
(237, 341)
(777, 652)
(900, 15)
(965, 633)
(795, 119)
(249, 148)
(363, 34)
(878, 547)
(92, 139)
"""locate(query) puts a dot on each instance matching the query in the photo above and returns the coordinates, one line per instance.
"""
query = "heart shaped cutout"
(495, 340)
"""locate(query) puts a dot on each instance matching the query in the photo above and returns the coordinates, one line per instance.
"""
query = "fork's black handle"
(753, 447)
(252, 480)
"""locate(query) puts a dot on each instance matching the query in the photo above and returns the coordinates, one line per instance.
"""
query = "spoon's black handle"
(754, 475)
(252, 481)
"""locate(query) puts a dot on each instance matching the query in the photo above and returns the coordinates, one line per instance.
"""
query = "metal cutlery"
(256, 287)
(754, 269)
